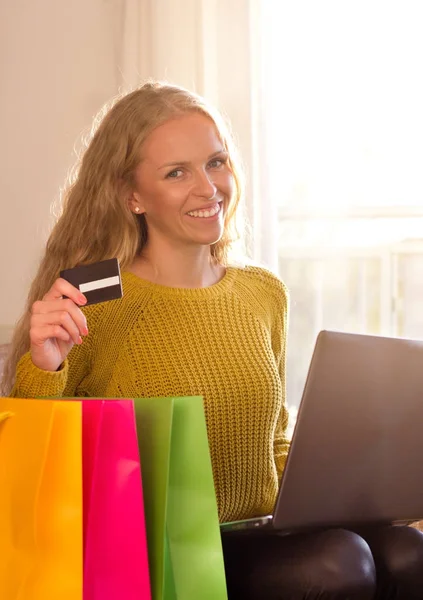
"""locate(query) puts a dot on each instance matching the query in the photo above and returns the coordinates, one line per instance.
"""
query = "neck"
(189, 267)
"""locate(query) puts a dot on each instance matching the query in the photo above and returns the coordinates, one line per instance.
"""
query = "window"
(344, 99)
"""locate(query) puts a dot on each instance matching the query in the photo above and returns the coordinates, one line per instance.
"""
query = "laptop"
(357, 450)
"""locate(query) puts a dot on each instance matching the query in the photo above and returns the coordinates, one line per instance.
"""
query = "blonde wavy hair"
(96, 222)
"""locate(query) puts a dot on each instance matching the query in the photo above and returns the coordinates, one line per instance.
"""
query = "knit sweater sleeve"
(32, 382)
(281, 442)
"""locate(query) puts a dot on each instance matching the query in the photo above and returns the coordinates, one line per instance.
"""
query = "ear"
(135, 204)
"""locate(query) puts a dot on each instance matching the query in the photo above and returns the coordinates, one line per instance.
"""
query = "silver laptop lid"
(357, 450)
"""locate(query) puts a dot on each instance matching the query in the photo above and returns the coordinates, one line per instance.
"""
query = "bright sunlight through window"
(345, 113)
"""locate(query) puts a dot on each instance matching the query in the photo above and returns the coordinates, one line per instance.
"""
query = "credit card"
(99, 282)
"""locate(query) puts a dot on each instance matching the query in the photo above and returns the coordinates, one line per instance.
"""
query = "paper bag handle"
(5, 415)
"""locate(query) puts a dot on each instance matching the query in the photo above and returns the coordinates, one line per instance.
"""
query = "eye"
(217, 162)
(175, 174)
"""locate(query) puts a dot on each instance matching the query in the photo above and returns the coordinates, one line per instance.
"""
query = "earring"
(137, 210)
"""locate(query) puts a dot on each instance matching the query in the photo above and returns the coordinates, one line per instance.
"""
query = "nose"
(204, 185)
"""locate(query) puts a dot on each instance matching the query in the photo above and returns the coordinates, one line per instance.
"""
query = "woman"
(158, 187)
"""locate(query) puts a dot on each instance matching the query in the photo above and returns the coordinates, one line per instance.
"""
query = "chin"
(210, 239)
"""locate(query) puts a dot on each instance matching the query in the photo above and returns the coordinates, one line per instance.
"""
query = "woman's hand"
(56, 325)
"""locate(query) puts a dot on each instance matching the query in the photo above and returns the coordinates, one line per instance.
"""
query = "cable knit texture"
(225, 343)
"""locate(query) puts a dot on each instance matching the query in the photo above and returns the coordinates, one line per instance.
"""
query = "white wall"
(60, 61)
(57, 67)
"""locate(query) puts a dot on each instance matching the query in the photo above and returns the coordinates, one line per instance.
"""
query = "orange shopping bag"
(40, 500)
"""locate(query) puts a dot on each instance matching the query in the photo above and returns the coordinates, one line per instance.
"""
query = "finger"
(40, 335)
(61, 318)
(45, 307)
(61, 288)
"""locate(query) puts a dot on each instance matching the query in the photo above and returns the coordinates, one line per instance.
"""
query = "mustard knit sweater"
(225, 343)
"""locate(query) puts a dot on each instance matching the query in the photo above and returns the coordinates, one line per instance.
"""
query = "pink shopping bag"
(115, 543)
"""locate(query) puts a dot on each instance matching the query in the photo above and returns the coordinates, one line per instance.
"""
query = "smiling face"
(184, 183)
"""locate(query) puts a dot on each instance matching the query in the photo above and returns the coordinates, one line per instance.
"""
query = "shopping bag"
(40, 500)
(185, 551)
(115, 544)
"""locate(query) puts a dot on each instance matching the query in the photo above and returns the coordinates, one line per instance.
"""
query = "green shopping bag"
(184, 545)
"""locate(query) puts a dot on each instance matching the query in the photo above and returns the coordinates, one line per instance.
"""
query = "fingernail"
(85, 330)
(82, 299)
(80, 340)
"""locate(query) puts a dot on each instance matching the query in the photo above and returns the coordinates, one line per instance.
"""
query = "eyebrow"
(183, 163)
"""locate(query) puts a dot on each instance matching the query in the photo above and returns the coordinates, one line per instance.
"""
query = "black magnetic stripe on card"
(85, 273)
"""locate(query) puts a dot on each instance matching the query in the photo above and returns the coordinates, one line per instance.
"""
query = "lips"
(204, 213)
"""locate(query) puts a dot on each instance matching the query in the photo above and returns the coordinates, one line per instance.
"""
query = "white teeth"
(205, 213)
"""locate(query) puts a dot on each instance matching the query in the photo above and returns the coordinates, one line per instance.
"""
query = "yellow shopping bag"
(40, 500)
